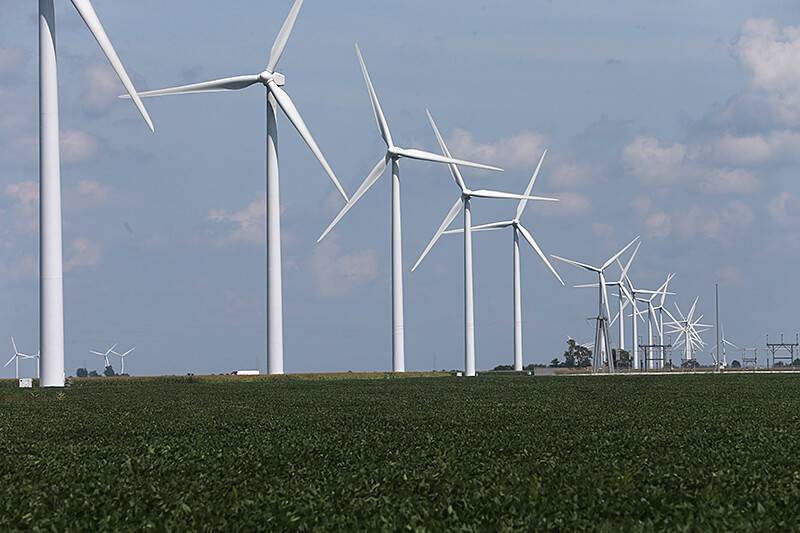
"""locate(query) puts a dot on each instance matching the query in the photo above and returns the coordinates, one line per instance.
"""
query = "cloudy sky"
(678, 121)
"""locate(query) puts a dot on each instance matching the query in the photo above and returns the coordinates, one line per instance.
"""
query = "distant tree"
(555, 363)
(736, 364)
(577, 355)
(779, 364)
(691, 363)
(94, 374)
(796, 362)
(109, 372)
(504, 367)
(82, 373)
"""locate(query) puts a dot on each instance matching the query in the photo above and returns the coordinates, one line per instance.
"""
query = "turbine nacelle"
(276, 77)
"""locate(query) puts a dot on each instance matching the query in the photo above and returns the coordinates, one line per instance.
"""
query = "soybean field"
(496, 453)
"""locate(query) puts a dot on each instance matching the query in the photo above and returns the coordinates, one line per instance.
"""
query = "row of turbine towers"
(272, 81)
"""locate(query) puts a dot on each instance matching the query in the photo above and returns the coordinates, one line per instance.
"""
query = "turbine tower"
(272, 82)
(393, 155)
(51, 268)
(464, 203)
(519, 230)
(602, 341)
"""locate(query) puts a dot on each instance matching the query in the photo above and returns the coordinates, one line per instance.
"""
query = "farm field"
(427, 454)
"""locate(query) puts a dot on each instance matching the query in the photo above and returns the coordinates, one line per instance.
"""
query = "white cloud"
(771, 55)
(724, 224)
(249, 223)
(93, 191)
(520, 151)
(84, 253)
(101, 88)
(658, 224)
(77, 146)
(654, 161)
(570, 176)
(25, 200)
(725, 181)
(336, 273)
(784, 209)
(731, 276)
(571, 204)
(757, 149)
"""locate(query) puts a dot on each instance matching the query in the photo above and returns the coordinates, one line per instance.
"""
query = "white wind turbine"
(653, 318)
(51, 272)
(122, 357)
(272, 82)
(602, 342)
(517, 230)
(18, 356)
(464, 202)
(632, 294)
(723, 349)
(105, 354)
(624, 296)
(393, 155)
(689, 329)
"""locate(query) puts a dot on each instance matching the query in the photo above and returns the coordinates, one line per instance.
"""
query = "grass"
(495, 453)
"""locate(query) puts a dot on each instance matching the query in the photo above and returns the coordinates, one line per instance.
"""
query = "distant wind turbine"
(122, 357)
(519, 230)
(51, 273)
(18, 356)
(393, 155)
(602, 353)
(104, 355)
(272, 82)
(464, 203)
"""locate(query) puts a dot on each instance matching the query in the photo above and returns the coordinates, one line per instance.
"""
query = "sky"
(677, 121)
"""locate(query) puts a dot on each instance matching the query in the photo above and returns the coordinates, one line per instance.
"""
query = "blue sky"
(679, 121)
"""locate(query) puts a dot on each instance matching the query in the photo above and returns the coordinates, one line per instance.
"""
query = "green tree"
(109, 372)
(736, 364)
(577, 355)
(82, 373)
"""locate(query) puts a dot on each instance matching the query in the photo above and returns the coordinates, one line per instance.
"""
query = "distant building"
(247, 373)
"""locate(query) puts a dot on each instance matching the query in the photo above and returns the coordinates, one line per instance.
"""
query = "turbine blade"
(422, 155)
(377, 110)
(483, 227)
(523, 203)
(214, 86)
(611, 261)
(456, 173)
(89, 16)
(283, 36)
(10, 360)
(630, 261)
(590, 268)
(283, 99)
(605, 295)
(535, 246)
(451, 215)
(482, 193)
(128, 352)
(96, 353)
(362, 189)
(14, 345)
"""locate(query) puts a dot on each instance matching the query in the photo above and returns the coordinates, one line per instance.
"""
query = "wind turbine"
(602, 342)
(105, 354)
(393, 155)
(653, 319)
(464, 202)
(517, 230)
(51, 272)
(272, 82)
(689, 329)
(723, 348)
(19, 355)
(624, 296)
(632, 294)
(660, 308)
(122, 357)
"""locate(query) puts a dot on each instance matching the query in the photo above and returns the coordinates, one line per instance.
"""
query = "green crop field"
(678, 453)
